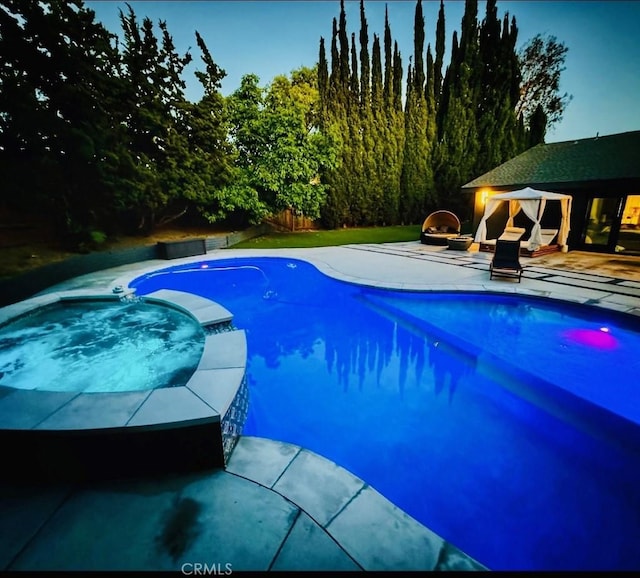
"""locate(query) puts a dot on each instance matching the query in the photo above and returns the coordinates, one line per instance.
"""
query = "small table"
(459, 243)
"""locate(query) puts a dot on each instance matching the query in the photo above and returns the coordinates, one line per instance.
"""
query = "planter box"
(177, 249)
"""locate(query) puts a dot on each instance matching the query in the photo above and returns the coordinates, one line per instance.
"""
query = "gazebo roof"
(529, 194)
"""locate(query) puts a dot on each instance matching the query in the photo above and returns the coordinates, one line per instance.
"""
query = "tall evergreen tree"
(397, 78)
(440, 41)
(323, 74)
(457, 149)
(492, 114)
(376, 134)
(388, 59)
(391, 127)
(365, 73)
(416, 184)
(335, 211)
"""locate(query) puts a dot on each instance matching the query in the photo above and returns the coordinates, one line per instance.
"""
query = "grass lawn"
(334, 237)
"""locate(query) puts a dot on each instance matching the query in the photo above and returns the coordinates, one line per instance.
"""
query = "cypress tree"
(392, 121)
(323, 75)
(418, 47)
(416, 183)
(369, 180)
(457, 150)
(335, 211)
(358, 169)
(397, 78)
(440, 39)
(388, 59)
(491, 124)
(377, 135)
(354, 84)
(431, 105)
(364, 58)
(334, 77)
(343, 40)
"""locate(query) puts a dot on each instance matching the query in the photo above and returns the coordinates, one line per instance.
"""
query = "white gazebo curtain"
(532, 203)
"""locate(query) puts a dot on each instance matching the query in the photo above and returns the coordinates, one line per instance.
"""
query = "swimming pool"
(507, 425)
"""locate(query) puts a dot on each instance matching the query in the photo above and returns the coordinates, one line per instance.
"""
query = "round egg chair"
(438, 227)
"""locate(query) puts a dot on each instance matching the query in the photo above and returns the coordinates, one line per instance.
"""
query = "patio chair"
(547, 236)
(506, 260)
(512, 234)
(438, 227)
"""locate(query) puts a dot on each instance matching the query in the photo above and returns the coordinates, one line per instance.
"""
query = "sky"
(273, 37)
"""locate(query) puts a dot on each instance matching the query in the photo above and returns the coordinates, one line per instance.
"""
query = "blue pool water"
(509, 426)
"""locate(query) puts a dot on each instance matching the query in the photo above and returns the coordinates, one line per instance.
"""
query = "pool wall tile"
(232, 422)
(95, 411)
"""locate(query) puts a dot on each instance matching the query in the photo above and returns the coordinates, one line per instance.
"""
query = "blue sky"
(269, 37)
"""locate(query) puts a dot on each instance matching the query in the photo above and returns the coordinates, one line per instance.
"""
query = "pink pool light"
(597, 338)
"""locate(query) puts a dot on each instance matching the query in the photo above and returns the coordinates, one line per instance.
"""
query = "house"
(601, 174)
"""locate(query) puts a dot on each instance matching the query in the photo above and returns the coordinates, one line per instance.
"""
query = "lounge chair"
(547, 236)
(512, 234)
(438, 227)
(506, 260)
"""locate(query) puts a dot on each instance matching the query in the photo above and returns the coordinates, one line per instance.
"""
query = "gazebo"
(532, 203)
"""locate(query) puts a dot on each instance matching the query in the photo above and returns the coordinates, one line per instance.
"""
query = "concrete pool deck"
(277, 506)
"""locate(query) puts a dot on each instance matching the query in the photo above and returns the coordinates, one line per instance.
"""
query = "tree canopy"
(96, 131)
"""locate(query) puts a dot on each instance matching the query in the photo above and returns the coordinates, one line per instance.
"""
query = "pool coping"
(205, 413)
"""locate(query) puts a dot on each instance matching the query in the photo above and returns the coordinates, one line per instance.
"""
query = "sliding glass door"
(629, 236)
(601, 227)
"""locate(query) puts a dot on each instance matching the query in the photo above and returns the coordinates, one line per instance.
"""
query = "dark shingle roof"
(605, 158)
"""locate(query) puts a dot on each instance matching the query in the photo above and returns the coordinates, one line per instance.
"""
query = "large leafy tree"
(62, 150)
(541, 63)
(280, 152)
(203, 160)
(153, 113)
